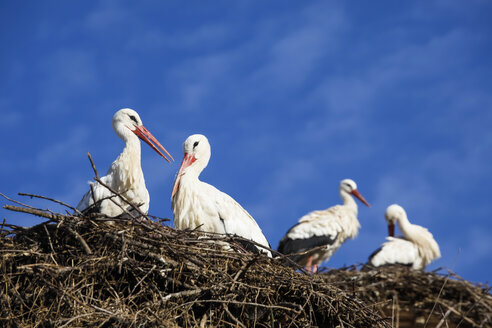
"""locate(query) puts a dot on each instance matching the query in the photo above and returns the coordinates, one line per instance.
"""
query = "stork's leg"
(309, 264)
(315, 268)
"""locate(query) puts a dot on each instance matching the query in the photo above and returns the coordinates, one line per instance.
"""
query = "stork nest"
(76, 270)
(415, 298)
(89, 270)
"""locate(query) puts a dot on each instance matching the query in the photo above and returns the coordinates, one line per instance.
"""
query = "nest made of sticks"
(417, 298)
(75, 270)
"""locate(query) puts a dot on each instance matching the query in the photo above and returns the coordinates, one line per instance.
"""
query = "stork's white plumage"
(324, 231)
(198, 205)
(417, 248)
(125, 175)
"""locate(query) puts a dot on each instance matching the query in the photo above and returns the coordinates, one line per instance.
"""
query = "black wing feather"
(291, 246)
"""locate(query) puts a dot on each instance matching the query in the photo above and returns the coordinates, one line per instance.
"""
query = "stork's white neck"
(412, 232)
(182, 206)
(127, 169)
(192, 173)
(348, 201)
(132, 143)
(132, 147)
(405, 226)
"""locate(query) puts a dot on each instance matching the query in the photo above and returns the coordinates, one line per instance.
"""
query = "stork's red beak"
(144, 134)
(187, 161)
(391, 229)
(357, 194)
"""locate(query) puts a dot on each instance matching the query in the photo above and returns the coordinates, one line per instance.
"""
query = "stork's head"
(393, 214)
(350, 187)
(127, 124)
(126, 119)
(197, 147)
(196, 150)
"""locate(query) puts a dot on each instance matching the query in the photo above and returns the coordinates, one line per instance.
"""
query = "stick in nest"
(50, 199)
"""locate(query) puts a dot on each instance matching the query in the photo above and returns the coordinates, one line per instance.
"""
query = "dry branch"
(37, 212)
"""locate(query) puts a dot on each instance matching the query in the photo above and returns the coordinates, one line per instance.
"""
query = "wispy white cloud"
(280, 193)
(10, 116)
(258, 67)
(107, 14)
(68, 75)
(65, 149)
(428, 9)
(478, 250)
(294, 54)
(206, 36)
(408, 188)
(353, 92)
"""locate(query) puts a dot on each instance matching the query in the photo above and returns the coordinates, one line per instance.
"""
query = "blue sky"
(294, 96)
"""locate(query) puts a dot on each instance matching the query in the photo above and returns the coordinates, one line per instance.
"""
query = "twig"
(122, 253)
(93, 166)
(81, 240)
(444, 318)
(53, 267)
(70, 320)
(51, 244)
(14, 201)
(3, 225)
(393, 312)
(50, 199)
(159, 219)
(226, 308)
(103, 310)
(94, 202)
(122, 197)
(121, 207)
(267, 306)
(141, 280)
(182, 293)
(37, 212)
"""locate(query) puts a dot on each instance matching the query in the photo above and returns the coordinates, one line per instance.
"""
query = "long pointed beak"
(357, 194)
(391, 229)
(187, 161)
(144, 134)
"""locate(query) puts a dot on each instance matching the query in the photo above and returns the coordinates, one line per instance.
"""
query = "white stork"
(125, 175)
(417, 248)
(323, 231)
(198, 205)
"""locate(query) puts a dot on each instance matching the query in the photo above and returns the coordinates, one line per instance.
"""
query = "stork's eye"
(134, 119)
(195, 144)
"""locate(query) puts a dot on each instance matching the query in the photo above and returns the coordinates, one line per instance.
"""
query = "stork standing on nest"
(323, 231)
(417, 248)
(125, 175)
(199, 205)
